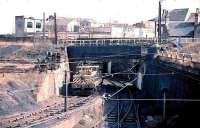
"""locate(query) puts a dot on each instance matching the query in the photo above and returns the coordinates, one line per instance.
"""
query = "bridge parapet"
(183, 57)
(109, 42)
(190, 63)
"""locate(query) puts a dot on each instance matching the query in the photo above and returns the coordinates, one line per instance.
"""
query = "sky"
(125, 11)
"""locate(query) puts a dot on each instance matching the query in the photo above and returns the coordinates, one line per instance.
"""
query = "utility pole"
(155, 29)
(66, 91)
(164, 91)
(44, 27)
(55, 28)
(118, 113)
(164, 105)
(166, 21)
(159, 22)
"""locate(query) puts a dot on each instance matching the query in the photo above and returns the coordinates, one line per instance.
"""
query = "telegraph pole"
(155, 29)
(166, 19)
(66, 91)
(159, 22)
(55, 28)
(164, 91)
(44, 27)
(118, 113)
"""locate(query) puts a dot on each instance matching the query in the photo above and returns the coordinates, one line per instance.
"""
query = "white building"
(117, 31)
(27, 26)
(73, 26)
(143, 33)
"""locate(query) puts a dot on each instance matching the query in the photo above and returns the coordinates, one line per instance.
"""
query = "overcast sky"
(126, 11)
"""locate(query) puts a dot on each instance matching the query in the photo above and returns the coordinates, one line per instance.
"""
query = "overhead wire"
(119, 90)
(98, 57)
(82, 58)
(128, 112)
(176, 72)
(118, 53)
(146, 74)
(157, 99)
(22, 90)
(172, 73)
(97, 77)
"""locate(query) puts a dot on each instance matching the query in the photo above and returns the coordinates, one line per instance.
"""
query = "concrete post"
(109, 67)
(66, 91)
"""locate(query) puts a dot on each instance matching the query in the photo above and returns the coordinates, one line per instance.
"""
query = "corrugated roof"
(182, 29)
(178, 14)
(175, 15)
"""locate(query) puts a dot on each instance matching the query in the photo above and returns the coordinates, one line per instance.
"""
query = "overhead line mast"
(55, 29)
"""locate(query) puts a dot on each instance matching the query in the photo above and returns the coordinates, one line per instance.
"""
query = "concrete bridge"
(117, 52)
(164, 69)
(174, 73)
(106, 49)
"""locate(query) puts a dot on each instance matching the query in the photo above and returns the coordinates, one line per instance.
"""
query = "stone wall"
(84, 118)
(51, 83)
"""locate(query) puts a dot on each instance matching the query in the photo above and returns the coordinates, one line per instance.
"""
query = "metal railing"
(109, 41)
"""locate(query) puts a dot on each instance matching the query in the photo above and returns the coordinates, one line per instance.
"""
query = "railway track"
(127, 114)
(27, 119)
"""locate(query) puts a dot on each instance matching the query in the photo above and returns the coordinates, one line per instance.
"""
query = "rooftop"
(182, 29)
(178, 14)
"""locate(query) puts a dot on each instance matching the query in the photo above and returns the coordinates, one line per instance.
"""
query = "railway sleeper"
(111, 120)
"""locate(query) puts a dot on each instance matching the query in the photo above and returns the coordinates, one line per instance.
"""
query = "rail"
(39, 116)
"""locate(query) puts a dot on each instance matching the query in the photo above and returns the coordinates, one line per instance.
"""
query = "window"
(76, 28)
(29, 25)
(38, 25)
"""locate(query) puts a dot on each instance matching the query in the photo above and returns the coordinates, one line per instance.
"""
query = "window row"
(30, 25)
